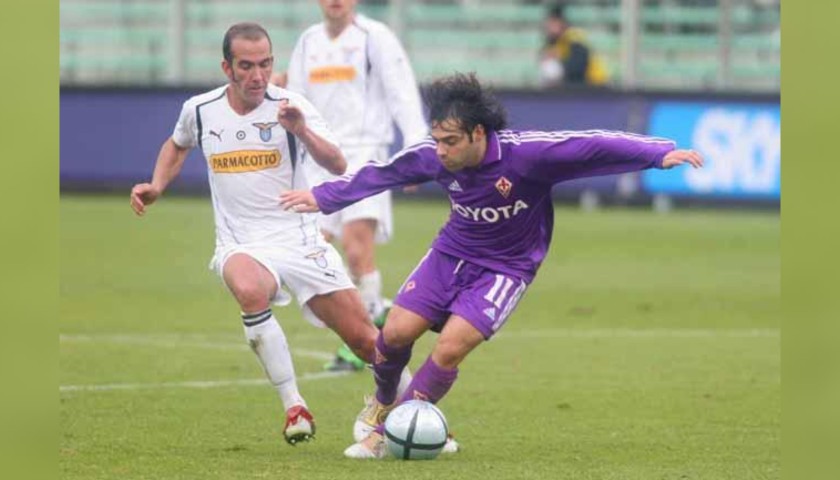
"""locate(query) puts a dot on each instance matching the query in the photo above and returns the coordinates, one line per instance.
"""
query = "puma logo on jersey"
(489, 214)
(217, 135)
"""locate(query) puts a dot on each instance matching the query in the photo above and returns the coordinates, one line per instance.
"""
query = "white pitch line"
(176, 341)
(179, 340)
(641, 333)
(193, 384)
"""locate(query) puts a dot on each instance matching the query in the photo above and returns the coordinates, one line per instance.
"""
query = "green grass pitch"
(647, 348)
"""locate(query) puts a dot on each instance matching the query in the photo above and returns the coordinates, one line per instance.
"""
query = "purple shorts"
(442, 285)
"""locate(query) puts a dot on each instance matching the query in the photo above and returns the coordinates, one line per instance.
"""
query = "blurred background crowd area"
(682, 45)
(703, 73)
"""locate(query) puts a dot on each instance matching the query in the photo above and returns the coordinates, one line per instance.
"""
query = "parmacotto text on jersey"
(245, 161)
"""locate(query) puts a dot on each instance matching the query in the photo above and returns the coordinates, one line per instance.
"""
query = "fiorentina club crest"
(504, 186)
(378, 357)
(420, 396)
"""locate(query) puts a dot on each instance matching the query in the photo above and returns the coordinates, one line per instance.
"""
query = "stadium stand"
(681, 44)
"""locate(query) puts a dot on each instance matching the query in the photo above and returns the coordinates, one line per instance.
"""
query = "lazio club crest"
(265, 129)
(318, 255)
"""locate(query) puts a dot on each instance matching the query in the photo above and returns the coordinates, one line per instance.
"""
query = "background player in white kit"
(252, 135)
(356, 73)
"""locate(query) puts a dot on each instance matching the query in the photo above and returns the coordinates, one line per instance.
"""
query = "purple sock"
(430, 382)
(387, 368)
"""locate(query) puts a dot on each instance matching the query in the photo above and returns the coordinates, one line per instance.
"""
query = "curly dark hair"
(461, 97)
(247, 30)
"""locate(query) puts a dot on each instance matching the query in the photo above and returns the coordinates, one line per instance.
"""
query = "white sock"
(268, 342)
(405, 381)
(370, 289)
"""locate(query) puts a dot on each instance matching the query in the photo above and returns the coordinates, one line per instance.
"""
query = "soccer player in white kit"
(253, 135)
(356, 73)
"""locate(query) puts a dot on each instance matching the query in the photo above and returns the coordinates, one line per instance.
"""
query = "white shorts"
(377, 207)
(306, 271)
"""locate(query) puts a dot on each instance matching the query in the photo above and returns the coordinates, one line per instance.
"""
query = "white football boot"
(372, 447)
(451, 445)
(300, 426)
(371, 416)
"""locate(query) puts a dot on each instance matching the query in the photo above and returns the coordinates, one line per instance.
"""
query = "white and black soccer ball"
(416, 430)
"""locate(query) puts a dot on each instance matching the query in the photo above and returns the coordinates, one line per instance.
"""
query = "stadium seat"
(457, 14)
(523, 41)
(225, 11)
(674, 14)
(680, 42)
(500, 40)
(696, 74)
(119, 11)
(587, 15)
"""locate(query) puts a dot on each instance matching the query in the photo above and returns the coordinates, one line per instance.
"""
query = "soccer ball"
(416, 430)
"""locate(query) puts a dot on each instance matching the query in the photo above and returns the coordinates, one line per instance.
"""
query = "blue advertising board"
(740, 142)
(110, 138)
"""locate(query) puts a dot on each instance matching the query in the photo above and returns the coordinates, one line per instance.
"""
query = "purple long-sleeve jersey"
(502, 215)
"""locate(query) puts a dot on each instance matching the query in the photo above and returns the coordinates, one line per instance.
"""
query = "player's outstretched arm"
(566, 155)
(169, 163)
(323, 152)
(679, 157)
(301, 201)
(410, 166)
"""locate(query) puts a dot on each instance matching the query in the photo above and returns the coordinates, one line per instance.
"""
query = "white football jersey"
(361, 81)
(250, 161)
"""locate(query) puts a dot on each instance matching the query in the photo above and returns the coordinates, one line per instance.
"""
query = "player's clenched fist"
(291, 118)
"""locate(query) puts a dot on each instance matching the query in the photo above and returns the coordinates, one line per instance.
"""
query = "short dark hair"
(461, 97)
(248, 30)
(557, 10)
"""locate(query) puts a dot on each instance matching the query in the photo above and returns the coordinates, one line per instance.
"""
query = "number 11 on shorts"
(498, 295)
(495, 296)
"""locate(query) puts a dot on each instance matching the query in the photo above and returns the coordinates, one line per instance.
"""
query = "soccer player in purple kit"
(481, 263)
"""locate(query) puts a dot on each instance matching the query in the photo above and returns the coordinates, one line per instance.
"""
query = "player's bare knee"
(354, 256)
(394, 337)
(250, 296)
(448, 353)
